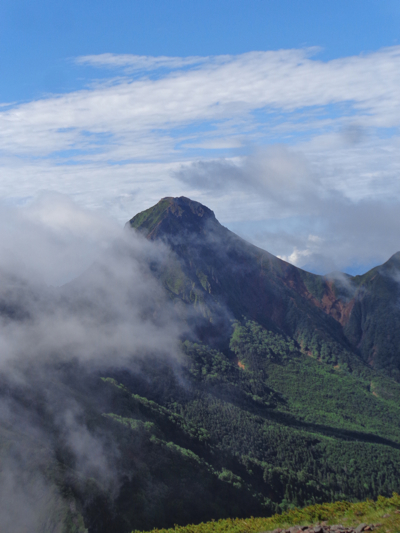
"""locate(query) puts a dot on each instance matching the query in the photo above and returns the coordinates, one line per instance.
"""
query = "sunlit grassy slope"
(383, 513)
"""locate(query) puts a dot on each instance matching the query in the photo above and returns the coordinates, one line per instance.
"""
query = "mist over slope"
(182, 374)
(54, 343)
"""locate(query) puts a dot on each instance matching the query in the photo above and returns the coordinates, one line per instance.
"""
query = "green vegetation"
(383, 511)
(282, 395)
(258, 429)
(285, 400)
(149, 218)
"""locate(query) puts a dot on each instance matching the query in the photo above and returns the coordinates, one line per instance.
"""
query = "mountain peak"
(390, 267)
(394, 260)
(170, 215)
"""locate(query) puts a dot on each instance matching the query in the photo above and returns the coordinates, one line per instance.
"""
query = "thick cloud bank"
(77, 297)
(79, 285)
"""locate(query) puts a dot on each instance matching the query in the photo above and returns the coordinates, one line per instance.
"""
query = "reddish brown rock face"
(337, 309)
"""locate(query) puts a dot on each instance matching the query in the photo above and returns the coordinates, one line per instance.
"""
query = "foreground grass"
(382, 511)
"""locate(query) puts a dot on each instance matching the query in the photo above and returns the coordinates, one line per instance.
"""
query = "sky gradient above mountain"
(281, 116)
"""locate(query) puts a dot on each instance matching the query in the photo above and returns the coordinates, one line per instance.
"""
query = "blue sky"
(281, 115)
(38, 39)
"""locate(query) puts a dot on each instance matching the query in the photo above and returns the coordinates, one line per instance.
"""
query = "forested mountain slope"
(216, 381)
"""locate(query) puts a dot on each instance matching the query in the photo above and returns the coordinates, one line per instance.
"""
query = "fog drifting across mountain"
(111, 312)
(100, 422)
(113, 304)
(303, 217)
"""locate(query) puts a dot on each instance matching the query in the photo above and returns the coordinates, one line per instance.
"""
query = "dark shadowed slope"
(373, 326)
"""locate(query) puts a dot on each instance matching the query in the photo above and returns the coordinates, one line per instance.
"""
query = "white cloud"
(113, 305)
(132, 62)
(129, 111)
(301, 215)
(113, 315)
(118, 145)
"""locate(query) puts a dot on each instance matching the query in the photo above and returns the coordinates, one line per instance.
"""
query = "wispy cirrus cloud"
(230, 90)
(131, 62)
